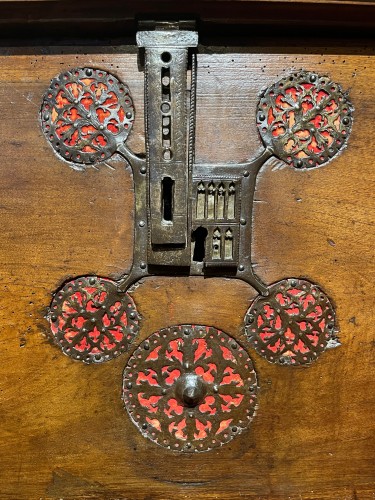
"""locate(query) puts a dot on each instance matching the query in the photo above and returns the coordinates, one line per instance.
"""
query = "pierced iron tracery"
(305, 118)
(90, 321)
(215, 201)
(190, 388)
(293, 325)
(86, 113)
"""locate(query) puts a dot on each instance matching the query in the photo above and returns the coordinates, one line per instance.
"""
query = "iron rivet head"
(104, 307)
(188, 445)
(146, 346)
(143, 265)
(144, 426)
(246, 173)
(46, 116)
(234, 345)
(186, 332)
(132, 315)
(299, 163)
(215, 388)
(282, 361)
(84, 330)
(164, 392)
(53, 318)
(142, 223)
(250, 318)
(242, 222)
(92, 158)
(143, 170)
(252, 388)
(103, 330)
(191, 414)
(262, 117)
(234, 429)
(313, 78)
(293, 283)
(88, 115)
(101, 127)
(92, 281)
(93, 320)
(76, 101)
(129, 385)
(89, 72)
(346, 120)
(129, 115)
(330, 326)
(186, 366)
(241, 267)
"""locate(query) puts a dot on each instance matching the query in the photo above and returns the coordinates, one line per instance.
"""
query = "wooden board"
(20, 18)
(63, 430)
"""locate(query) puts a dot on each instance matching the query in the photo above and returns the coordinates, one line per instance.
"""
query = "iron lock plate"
(190, 218)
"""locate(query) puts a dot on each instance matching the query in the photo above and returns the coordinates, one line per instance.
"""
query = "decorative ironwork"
(305, 119)
(293, 325)
(90, 321)
(190, 388)
(189, 217)
(86, 114)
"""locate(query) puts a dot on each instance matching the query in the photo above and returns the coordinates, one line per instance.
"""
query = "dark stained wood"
(114, 18)
(63, 430)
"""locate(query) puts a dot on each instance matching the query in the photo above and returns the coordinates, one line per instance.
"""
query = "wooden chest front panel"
(63, 430)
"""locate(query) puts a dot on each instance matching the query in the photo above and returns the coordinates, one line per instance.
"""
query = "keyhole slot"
(167, 195)
(199, 238)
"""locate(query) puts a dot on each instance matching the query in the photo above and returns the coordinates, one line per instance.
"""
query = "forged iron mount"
(190, 219)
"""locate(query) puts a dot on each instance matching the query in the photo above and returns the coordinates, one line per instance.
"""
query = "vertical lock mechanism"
(167, 108)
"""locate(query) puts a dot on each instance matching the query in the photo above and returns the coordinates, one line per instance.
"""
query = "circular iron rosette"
(90, 321)
(293, 325)
(86, 114)
(190, 388)
(305, 119)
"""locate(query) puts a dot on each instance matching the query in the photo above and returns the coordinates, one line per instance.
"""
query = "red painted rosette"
(90, 321)
(293, 324)
(305, 119)
(190, 388)
(86, 114)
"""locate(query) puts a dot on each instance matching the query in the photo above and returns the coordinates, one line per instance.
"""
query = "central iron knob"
(190, 390)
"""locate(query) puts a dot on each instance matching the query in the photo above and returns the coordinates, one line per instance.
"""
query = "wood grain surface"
(63, 431)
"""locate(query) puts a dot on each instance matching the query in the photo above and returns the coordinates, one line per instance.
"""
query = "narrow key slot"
(199, 240)
(167, 192)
